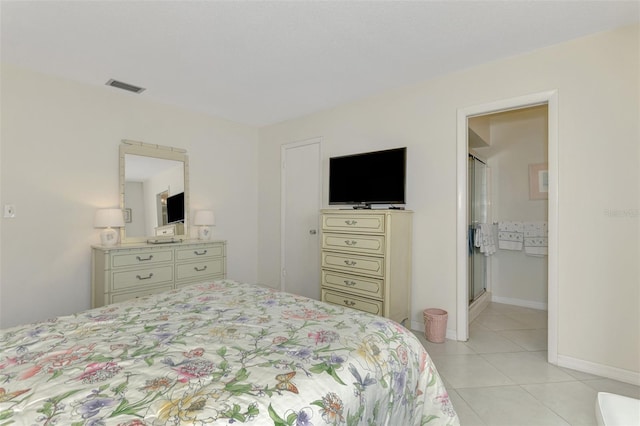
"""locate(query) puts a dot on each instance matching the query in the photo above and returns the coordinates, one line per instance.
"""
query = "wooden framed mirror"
(154, 192)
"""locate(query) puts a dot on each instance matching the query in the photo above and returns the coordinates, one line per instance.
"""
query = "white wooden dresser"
(128, 271)
(366, 260)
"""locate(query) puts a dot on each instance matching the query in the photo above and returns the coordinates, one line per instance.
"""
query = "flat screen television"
(175, 208)
(368, 178)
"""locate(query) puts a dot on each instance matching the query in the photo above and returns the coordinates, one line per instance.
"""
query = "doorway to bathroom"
(507, 218)
(506, 171)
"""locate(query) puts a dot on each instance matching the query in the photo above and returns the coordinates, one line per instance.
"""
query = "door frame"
(550, 98)
(283, 197)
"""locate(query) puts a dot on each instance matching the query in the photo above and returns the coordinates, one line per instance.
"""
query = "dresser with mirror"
(155, 253)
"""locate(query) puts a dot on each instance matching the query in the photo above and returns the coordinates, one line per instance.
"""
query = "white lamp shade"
(204, 217)
(106, 218)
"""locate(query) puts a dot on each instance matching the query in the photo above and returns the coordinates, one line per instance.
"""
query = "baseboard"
(419, 326)
(519, 302)
(626, 376)
(479, 305)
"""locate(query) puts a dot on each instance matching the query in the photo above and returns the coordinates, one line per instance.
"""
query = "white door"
(301, 202)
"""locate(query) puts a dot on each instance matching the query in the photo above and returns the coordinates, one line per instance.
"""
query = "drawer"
(353, 263)
(131, 279)
(353, 222)
(165, 231)
(121, 297)
(369, 287)
(361, 304)
(368, 244)
(200, 252)
(135, 258)
(202, 269)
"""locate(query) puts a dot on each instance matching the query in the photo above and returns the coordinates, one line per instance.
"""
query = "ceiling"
(262, 62)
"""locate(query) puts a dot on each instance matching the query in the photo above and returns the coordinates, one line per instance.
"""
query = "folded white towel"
(510, 226)
(510, 235)
(535, 229)
(536, 241)
(484, 239)
(536, 251)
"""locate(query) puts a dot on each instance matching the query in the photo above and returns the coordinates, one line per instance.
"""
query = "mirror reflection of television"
(368, 178)
(175, 208)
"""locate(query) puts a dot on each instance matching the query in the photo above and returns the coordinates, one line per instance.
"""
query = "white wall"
(597, 81)
(517, 139)
(59, 162)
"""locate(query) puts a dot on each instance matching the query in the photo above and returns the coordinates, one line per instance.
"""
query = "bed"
(219, 352)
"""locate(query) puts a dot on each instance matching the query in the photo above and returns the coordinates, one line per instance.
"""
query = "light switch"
(9, 210)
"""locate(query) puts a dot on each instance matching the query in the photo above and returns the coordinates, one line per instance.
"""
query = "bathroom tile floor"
(501, 375)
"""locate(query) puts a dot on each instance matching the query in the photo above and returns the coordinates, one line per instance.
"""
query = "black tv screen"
(175, 208)
(368, 178)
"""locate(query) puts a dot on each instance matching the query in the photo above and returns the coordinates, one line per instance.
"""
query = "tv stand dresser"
(129, 271)
(366, 260)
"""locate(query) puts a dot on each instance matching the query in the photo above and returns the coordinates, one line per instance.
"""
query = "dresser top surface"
(143, 245)
(364, 211)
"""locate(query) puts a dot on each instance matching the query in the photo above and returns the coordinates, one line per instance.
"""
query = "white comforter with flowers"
(219, 353)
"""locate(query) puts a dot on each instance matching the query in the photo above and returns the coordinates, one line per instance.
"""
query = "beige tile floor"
(501, 375)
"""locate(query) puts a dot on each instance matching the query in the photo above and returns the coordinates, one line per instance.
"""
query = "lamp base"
(204, 233)
(109, 237)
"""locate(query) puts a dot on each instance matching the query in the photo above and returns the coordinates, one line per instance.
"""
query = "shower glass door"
(478, 207)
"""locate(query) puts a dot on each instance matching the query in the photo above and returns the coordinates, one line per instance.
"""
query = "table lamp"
(108, 218)
(204, 219)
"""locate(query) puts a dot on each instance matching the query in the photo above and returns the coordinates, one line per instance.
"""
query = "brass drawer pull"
(351, 222)
(350, 242)
(199, 253)
(145, 259)
(349, 302)
(204, 268)
(145, 278)
(350, 262)
(349, 283)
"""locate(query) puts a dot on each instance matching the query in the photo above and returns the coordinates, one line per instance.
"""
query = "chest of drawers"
(366, 260)
(129, 271)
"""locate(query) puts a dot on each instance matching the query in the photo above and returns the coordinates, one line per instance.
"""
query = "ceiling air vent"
(125, 86)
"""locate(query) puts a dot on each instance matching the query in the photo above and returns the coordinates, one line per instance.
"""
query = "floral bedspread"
(219, 353)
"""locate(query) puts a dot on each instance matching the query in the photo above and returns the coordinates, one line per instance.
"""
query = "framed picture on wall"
(538, 181)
